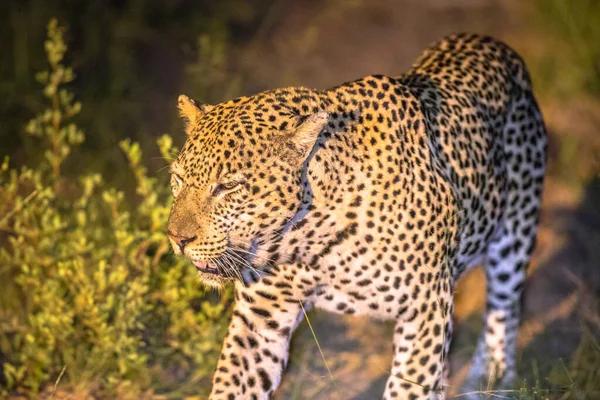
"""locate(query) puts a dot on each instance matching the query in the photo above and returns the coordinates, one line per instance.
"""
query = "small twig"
(17, 209)
(317, 342)
(57, 382)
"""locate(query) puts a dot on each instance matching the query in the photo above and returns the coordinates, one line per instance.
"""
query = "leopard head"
(237, 180)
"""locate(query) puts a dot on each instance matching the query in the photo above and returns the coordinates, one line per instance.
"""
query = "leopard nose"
(182, 241)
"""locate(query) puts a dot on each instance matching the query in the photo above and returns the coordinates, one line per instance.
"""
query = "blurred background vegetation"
(92, 302)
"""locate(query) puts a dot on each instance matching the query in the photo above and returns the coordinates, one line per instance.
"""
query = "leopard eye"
(227, 186)
(231, 184)
(176, 184)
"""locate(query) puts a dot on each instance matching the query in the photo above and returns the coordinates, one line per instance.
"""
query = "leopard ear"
(190, 109)
(307, 133)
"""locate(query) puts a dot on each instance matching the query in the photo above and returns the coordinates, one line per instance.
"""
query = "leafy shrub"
(89, 286)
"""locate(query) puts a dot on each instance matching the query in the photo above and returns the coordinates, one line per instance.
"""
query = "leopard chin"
(213, 280)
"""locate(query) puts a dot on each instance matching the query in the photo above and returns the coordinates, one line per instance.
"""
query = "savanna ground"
(321, 44)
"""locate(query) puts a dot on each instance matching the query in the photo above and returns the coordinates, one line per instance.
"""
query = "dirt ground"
(316, 45)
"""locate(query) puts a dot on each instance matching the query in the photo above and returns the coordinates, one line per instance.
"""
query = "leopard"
(370, 198)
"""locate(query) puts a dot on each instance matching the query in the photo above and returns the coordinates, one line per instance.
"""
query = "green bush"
(89, 285)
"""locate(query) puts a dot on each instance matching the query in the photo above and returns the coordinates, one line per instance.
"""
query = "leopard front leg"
(421, 342)
(255, 350)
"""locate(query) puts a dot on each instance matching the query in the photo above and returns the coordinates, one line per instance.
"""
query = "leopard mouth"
(229, 265)
(207, 268)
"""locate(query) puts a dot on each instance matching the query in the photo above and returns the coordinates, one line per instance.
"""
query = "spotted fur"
(370, 198)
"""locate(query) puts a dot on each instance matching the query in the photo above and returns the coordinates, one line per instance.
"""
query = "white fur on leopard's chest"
(358, 281)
